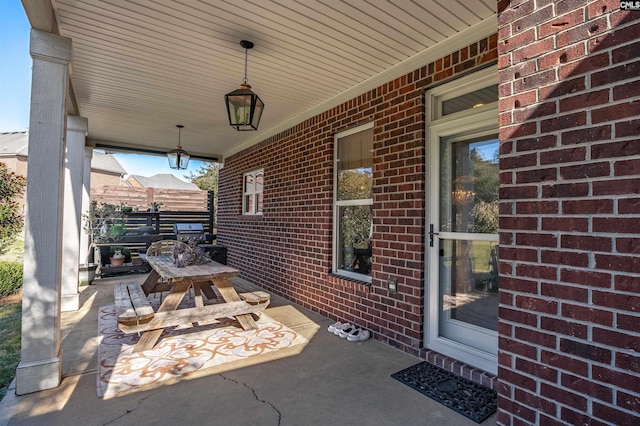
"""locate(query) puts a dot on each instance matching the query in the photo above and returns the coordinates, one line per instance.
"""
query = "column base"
(38, 375)
(69, 302)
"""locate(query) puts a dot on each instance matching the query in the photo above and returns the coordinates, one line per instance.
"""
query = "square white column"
(41, 357)
(72, 213)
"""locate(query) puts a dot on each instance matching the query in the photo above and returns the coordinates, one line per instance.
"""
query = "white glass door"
(462, 238)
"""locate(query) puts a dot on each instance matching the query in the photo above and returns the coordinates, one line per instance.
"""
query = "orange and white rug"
(180, 352)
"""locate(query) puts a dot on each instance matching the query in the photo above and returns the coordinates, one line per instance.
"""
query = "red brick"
(588, 278)
(616, 38)
(586, 135)
(583, 66)
(533, 50)
(616, 112)
(516, 41)
(563, 122)
(563, 396)
(535, 337)
(510, 376)
(628, 128)
(628, 322)
(537, 370)
(585, 351)
(557, 257)
(518, 348)
(537, 271)
(563, 155)
(574, 418)
(618, 379)
(536, 175)
(628, 245)
(588, 207)
(615, 74)
(562, 88)
(533, 81)
(629, 402)
(628, 362)
(619, 301)
(525, 160)
(584, 100)
(588, 314)
(535, 401)
(537, 208)
(627, 168)
(563, 362)
(587, 387)
(563, 327)
(615, 149)
(562, 56)
(616, 187)
(536, 144)
(586, 170)
(537, 305)
(562, 23)
(614, 416)
(618, 263)
(565, 190)
(626, 91)
(616, 339)
(520, 317)
(565, 224)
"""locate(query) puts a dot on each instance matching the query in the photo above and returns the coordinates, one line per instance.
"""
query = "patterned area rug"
(181, 351)
(462, 395)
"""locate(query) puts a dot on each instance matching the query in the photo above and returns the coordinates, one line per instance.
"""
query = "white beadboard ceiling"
(140, 67)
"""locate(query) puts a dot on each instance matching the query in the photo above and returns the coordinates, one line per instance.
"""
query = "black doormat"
(468, 398)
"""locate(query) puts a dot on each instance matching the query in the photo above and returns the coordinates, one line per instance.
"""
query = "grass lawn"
(10, 320)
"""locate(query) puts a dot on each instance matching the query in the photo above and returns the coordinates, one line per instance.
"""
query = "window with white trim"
(252, 198)
(353, 202)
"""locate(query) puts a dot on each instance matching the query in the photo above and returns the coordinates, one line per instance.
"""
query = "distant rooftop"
(163, 180)
(14, 143)
(17, 144)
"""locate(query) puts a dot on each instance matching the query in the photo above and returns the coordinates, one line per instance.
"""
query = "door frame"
(478, 120)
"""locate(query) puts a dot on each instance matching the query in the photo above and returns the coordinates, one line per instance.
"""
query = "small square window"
(252, 199)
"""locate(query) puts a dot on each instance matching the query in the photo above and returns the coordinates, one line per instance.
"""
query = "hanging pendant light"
(178, 158)
(243, 106)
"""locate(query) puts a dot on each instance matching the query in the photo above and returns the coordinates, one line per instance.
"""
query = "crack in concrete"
(140, 401)
(255, 395)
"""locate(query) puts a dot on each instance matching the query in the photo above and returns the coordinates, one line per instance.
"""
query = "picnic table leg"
(198, 295)
(150, 282)
(229, 294)
(149, 338)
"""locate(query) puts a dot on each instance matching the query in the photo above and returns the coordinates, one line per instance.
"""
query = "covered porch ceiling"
(140, 67)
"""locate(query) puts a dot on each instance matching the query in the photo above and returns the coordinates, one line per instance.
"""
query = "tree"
(206, 178)
(11, 221)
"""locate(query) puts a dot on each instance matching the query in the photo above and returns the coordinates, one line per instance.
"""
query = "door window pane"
(469, 185)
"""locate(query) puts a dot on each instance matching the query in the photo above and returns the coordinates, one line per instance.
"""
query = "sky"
(15, 91)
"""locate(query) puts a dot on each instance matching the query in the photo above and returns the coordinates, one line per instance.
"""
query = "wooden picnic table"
(165, 276)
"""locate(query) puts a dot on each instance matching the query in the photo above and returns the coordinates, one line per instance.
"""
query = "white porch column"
(41, 358)
(72, 215)
(86, 199)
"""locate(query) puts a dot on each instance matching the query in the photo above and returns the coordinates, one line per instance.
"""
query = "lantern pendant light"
(243, 106)
(178, 158)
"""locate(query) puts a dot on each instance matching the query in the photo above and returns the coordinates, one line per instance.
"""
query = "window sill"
(349, 279)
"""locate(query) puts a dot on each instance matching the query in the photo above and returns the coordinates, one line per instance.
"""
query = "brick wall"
(570, 213)
(288, 249)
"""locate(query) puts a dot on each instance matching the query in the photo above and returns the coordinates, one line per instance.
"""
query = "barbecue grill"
(186, 231)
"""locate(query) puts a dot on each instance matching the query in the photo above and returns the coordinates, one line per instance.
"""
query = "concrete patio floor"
(328, 381)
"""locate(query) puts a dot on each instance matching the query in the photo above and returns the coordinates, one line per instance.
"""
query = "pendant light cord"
(245, 65)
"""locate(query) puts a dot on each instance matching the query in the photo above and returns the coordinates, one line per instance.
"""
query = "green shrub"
(10, 278)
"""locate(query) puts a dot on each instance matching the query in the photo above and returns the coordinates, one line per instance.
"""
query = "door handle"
(431, 234)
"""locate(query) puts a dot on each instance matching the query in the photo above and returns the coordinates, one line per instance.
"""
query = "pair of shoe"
(348, 331)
